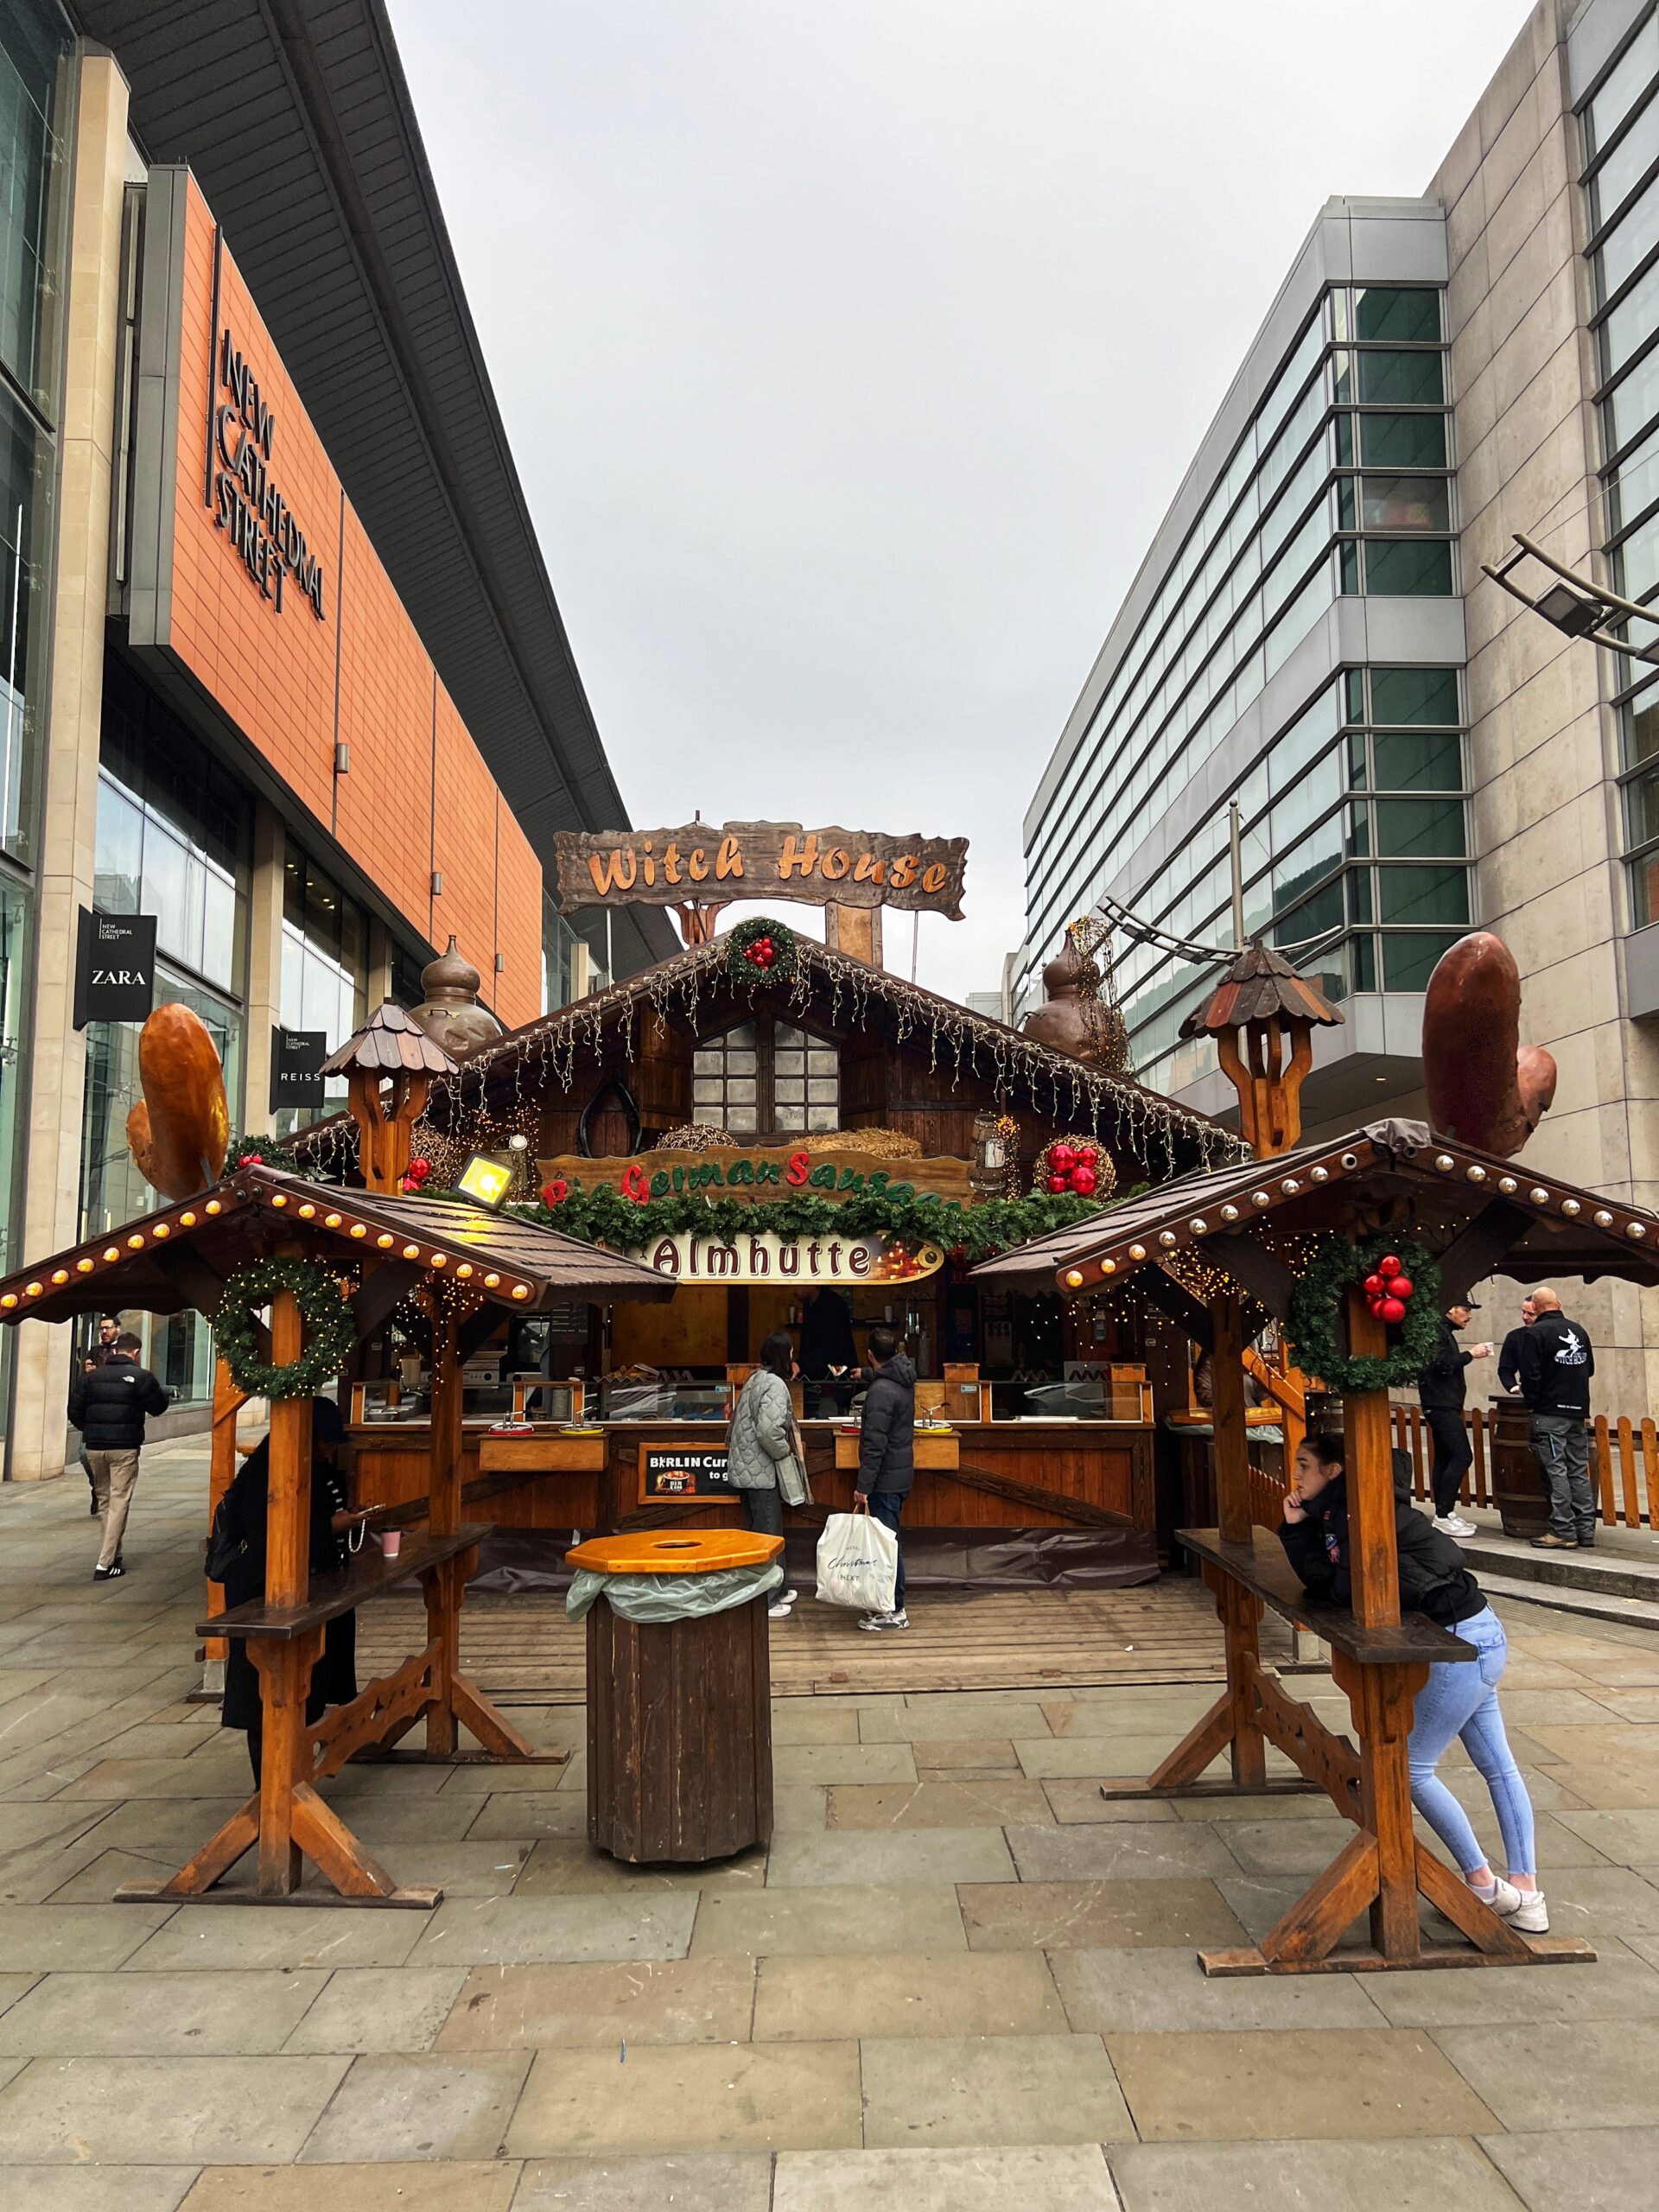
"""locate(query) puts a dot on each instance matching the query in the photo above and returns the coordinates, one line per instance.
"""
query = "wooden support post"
(1367, 1465)
(228, 1402)
(443, 1517)
(1240, 1615)
(285, 1670)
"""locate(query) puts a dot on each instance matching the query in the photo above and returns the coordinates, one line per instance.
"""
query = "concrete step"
(1607, 1573)
(1590, 1605)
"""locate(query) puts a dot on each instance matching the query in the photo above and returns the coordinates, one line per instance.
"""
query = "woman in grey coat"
(762, 1434)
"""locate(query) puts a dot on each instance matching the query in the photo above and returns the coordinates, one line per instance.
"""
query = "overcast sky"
(851, 351)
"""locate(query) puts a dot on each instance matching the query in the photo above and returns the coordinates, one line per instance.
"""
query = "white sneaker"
(1505, 1901)
(876, 1621)
(1533, 1916)
(780, 1610)
(1454, 1524)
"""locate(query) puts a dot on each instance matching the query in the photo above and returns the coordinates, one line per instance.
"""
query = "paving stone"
(379, 2008)
(1619, 1985)
(181, 2015)
(1427, 2175)
(1302, 1847)
(1343, 2083)
(1130, 1712)
(450, 2186)
(1629, 1839)
(828, 1922)
(1579, 2168)
(1546, 2074)
(1596, 1901)
(806, 1999)
(1086, 1916)
(214, 1937)
(1254, 1806)
(1167, 1993)
(946, 1757)
(889, 1856)
(1051, 2177)
(54, 1822)
(209, 1774)
(393, 1819)
(893, 1761)
(1612, 1785)
(950, 1718)
(784, 2096)
(602, 2006)
(698, 2181)
(39, 1938)
(460, 1870)
(1262, 1900)
(165, 2111)
(97, 2189)
(570, 1865)
(513, 1816)
(1077, 1798)
(519, 1931)
(156, 1828)
(987, 2090)
(12, 1986)
(987, 1803)
(1134, 1850)
(419, 2105)
(1099, 1758)
(811, 1720)
(477, 1778)
(798, 1807)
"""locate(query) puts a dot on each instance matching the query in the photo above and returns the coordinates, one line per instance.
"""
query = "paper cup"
(391, 1542)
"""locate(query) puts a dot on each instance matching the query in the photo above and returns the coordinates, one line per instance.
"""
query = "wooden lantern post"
(389, 1047)
(1262, 1015)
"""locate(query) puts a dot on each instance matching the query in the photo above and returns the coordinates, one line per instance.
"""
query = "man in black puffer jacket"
(108, 1405)
(886, 1453)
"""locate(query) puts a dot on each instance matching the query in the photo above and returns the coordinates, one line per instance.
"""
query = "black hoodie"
(886, 1435)
(1556, 1363)
(1433, 1580)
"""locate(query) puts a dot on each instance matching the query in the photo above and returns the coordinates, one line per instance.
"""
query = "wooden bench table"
(1380, 1668)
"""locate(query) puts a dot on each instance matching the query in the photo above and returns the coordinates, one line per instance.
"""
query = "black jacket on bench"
(333, 1678)
(1433, 1580)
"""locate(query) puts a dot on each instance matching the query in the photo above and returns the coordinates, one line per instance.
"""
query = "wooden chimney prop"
(392, 1049)
(1261, 1008)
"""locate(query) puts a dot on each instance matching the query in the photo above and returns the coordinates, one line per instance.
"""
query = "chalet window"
(765, 1079)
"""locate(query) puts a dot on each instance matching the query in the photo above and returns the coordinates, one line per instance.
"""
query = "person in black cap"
(1441, 1393)
(240, 1520)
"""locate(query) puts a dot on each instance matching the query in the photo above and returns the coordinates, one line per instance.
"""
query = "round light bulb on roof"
(60, 1274)
(1604, 1219)
(384, 1243)
(358, 1230)
(1571, 1205)
(1539, 1195)
(439, 1259)
(1508, 1184)
(1108, 1267)
(411, 1251)
(1074, 1278)
(1230, 1213)
(188, 1220)
(9, 1301)
(1198, 1225)
(331, 1221)
(307, 1211)
(279, 1200)
(1290, 1186)
(1476, 1173)
(1137, 1251)
(520, 1290)
(135, 1243)
(1635, 1229)
(111, 1251)
(1166, 1237)
(1445, 1162)
(1351, 1160)
(214, 1206)
(82, 1267)
(492, 1282)
(1319, 1174)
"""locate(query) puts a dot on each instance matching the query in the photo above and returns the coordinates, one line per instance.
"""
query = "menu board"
(681, 1470)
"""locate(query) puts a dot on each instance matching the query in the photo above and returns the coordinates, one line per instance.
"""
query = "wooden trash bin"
(679, 1712)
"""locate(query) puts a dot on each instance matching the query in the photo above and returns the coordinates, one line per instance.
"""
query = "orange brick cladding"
(418, 797)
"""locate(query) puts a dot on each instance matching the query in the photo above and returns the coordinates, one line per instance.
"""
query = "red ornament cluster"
(1387, 1291)
(414, 1176)
(1073, 1169)
(762, 953)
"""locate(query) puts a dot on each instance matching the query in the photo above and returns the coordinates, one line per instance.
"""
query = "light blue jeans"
(1458, 1699)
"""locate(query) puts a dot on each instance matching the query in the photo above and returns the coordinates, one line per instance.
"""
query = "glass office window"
(1628, 80)
(35, 46)
(1401, 441)
(1404, 316)
(1404, 567)
(1415, 695)
(1408, 760)
(325, 969)
(28, 470)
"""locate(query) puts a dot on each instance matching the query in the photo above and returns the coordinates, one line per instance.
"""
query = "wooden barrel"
(679, 1713)
(1518, 1488)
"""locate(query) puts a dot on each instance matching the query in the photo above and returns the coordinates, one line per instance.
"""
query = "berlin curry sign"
(759, 859)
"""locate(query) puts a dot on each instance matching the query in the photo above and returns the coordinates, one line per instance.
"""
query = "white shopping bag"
(858, 1562)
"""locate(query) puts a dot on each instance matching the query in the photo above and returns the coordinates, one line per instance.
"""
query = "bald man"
(1556, 1362)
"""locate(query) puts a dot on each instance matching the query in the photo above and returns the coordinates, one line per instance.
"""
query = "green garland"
(264, 1152)
(1312, 1325)
(330, 1331)
(742, 971)
(604, 1215)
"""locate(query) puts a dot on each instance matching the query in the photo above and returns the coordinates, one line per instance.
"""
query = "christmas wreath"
(758, 949)
(1074, 1166)
(1402, 1287)
(330, 1332)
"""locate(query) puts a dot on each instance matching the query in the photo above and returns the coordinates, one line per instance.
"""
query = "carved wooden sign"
(759, 1172)
(759, 860)
(760, 1257)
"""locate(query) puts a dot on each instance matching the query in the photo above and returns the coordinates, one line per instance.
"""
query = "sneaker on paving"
(780, 1612)
(1454, 1524)
(1505, 1899)
(900, 1619)
(1533, 1916)
(108, 1574)
(1551, 1542)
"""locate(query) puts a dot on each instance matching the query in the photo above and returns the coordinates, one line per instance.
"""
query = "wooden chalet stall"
(757, 1135)
(1252, 1228)
(456, 1266)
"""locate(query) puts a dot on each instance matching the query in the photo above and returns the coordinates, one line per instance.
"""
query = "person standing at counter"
(760, 1441)
(886, 1454)
(828, 1355)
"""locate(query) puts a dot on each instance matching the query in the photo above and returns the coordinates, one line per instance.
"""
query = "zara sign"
(115, 967)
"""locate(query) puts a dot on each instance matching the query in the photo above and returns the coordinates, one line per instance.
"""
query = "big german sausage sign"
(759, 859)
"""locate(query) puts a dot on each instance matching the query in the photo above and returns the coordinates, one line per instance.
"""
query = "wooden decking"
(523, 1650)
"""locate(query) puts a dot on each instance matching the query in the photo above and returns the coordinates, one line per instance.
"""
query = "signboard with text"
(115, 968)
(296, 1058)
(882, 1257)
(671, 1471)
(759, 859)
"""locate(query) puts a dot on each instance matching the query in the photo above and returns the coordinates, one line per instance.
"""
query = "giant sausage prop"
(179, 1131)
(1485, 1088)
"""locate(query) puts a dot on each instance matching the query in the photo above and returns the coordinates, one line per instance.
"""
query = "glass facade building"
(1242, 679)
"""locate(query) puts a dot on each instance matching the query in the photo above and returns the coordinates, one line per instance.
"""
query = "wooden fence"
(1624, 1466)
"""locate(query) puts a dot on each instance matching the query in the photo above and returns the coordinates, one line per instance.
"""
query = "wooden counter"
(1006, 1474)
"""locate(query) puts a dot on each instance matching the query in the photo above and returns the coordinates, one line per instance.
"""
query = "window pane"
(740, 1120)
(1639, 560)
(783, 1036)
(1622, 171)
(740, 1090)
(1399, 379)
(1409, 960)
(1632, 404)
(740, 1063)
(34, 45)
(166, 895)
(219, 929)
(1406, 503)
(1423, 895)
(708, 1059)
(120, 851)
(1304, 799)
(1404, 567)
(1411, 318)
(820, 1093)
(1631, 242)
(1311, 730)
(1403, 441)
(789, 1086)
(1618, 95)
(1413, 829)
(821, 1117)
(1642, 727)
(1631, 322)
(1415, 695)
(1316, 916)
(1406, 763)
(705, 1092)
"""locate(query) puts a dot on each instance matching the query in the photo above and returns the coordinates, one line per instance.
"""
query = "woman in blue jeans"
(1458, 1699)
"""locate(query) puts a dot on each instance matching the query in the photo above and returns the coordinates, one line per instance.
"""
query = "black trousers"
(1452, 1455)
(763, 1510)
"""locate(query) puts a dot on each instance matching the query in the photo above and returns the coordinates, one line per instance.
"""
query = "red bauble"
(1083, 1180)
(1087, 1156)
(1057, 1184)
(1373, 1287)
(1401, 1287)
(1062, 1156)
(420, 1168)
(1392, 1310)
(1390, 1264)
